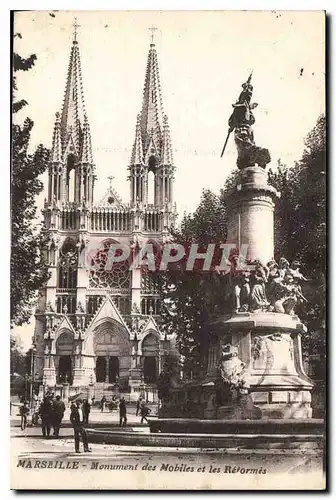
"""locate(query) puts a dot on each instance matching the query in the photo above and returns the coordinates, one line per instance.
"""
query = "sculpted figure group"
(274, 287)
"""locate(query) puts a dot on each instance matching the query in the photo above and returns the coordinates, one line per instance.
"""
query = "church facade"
(97, 327)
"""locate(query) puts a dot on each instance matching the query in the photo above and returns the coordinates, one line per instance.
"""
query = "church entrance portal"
(107, 369)
(65, 370)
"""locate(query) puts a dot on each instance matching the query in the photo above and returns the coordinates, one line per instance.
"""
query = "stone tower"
(97, 327)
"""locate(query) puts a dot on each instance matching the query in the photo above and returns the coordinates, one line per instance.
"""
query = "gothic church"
(96, 330)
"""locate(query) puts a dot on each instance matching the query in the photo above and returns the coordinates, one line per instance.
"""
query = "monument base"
(269, 346)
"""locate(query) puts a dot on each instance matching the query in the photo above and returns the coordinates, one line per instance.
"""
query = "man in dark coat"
(77, 420)
(58, 413)
(122, 413)
(138, 405)
(46, 412)
(86, 411)
(144, 411)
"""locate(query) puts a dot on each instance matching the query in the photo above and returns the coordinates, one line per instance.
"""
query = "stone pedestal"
(251, 215)
(269, 345)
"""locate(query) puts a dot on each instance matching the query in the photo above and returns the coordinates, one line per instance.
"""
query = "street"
(119, 466)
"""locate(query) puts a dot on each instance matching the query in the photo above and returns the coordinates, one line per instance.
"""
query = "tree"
(190, 298)
(28, 268)
(300, 223)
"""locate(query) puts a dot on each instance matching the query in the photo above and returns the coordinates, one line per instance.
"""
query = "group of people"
(274, 287)
(141, 408)
(51, 411)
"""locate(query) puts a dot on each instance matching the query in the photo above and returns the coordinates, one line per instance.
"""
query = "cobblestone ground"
(105, 462)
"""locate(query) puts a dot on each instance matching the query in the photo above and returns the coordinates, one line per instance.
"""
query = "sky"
(204, 57)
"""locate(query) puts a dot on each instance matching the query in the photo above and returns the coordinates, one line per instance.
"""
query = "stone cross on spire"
(75, 26)
(152, 29)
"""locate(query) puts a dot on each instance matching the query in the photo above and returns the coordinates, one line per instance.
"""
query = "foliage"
(191, 297)
(28, 269)
(169, 375)
(301, 229)
(17, 358)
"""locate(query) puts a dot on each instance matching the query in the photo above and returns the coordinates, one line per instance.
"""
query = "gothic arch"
(149, 335)
(64, 337)
(111, 337)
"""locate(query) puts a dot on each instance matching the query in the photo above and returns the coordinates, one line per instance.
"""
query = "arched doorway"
(150, 369)
(107, 369)
(64, 362)
(113, 353)
(65, 370)
(113, 369)
(150, 353)
(101, 369)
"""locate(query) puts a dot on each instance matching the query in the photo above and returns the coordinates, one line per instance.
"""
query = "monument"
(254, 359)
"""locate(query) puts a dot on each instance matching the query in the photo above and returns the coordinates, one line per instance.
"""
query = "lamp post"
(32, 373)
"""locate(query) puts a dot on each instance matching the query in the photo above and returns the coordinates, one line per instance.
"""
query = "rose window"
(104, 274)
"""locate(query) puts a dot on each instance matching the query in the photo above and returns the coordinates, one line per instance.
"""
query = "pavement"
(175, 467)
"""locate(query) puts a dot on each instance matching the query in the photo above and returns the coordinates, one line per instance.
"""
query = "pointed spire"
(152, 110)
(73, 111)
(167, 153)
(137, 152)
(87, 147)
(56, 150)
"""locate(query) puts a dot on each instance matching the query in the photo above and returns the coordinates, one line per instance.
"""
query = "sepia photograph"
(168, 250)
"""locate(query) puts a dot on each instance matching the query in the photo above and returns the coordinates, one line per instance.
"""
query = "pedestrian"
(122, 413)
(102, 404)
(24, 410)
(58, 414)
(144, 411)
(46, 413)
(77, 420)
(138, 405)
(86, 411)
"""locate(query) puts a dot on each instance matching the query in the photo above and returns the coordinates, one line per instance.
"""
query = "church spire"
(152, 150)
(151, 121)
(73, 112)
(71, 146)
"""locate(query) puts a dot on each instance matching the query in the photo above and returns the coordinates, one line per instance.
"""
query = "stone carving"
(241, 122)
(231, 368)
(274, 287)
(258, 292)
(79, 308)
(273, 352)
(49, 307)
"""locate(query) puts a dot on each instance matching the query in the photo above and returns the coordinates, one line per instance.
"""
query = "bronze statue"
(241, 122)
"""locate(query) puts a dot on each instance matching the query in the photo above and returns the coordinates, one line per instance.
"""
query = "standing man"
(138, 405)
(144, 411)
(24, 410)
(58, 413)
(46, 412)
(86, 411)
(102, 404)
(122, 413)
(77, 420)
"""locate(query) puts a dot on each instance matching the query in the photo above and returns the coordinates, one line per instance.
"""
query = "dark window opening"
(113, 369)
(149, 369)
(101, 369)
(65, 370)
